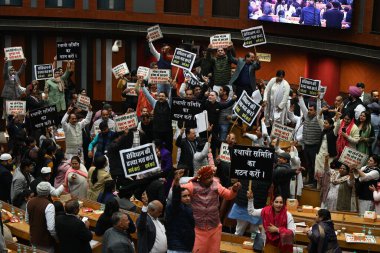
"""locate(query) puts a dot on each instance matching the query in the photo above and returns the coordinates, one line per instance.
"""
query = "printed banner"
(126, 121)
(253, 163)
(185, 109)
(83, 102)
(282, 132)
(15, 107)
(183, 59)
(220, 40)
(253, 36)
(159, 76)
(139, 160)
(154, 33)
(132, 91)
(351, 156)
(224, 152)
(120, 70)
(13, 53)
(263, 57)
(68, 50)
(143, 72)
(309, 87)
(43, 117)
(246, 108)
(43, 71)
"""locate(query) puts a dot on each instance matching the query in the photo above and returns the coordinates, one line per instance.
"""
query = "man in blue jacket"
(334, 16)
(310, 15)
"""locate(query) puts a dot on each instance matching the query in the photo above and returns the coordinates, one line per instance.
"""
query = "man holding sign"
(244, 78)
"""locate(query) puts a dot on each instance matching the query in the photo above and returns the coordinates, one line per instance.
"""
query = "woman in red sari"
(278, 224)
(347, 132)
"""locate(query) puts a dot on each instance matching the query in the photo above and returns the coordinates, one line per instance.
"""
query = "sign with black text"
(253, 36)
(193, 79)
(183, 59)
(224, 152)
(68, 51)
(253, 163)
(143, 72)
(132, 89)
(185, 109)
(15, 107)
(246, 108)
(282, 132)
(220, 40)
(351, 156)
(154, 33)
(43, 71)
(43, 117)
(83, 102)
(139, 160)
(309, 87)
(126, 121)
(120, 70)
(13, 53)
(159, 76)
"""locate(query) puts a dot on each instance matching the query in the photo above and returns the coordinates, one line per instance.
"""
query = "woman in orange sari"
(278, 224)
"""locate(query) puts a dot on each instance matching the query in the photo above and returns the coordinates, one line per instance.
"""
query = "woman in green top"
(366, 132)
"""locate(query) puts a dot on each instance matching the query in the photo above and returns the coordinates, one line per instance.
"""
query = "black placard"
(186, 109)
(246, 108)
(139, 160)
(43, 117)
(253, 36)
(253, 163)
(193, 79)
(309, 87)
(43, 71)
(183, 59)
(68, 50)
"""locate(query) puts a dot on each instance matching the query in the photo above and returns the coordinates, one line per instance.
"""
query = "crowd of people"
(326, 13)
(186, 193)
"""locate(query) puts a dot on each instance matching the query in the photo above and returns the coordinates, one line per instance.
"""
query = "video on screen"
(324, 13)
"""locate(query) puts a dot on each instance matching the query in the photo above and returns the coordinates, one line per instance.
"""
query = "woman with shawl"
(278, 224)
(76, 179)
(337, 196)
(366, 133)
(347, 132)
(322, 234)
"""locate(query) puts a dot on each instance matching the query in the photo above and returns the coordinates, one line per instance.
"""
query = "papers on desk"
(300, 224)
(94, 243)
(360, 239)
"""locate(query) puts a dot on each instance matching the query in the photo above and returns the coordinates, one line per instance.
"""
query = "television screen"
(324, 13)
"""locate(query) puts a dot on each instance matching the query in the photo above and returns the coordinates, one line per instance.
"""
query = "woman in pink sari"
(278, 224)
(76, 179)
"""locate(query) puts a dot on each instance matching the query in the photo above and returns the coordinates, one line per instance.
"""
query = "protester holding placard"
(244, 77)
(347, 132)
(275, 99)
(365, 177)
(55, 88)
(73, 132)
(221, 66)
(12, 89)
(311, 135)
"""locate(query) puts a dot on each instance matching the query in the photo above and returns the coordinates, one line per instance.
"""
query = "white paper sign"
(120, 70)
(15, 107)
(224, 153)
(154, 33)
(143, 72)
(264, 57)
(126, 121)
(132, 91)
(83, 102)
(159, 76)
(13, 53)
(220, 40)
(282, 132)
(351, 156)
(202, 121)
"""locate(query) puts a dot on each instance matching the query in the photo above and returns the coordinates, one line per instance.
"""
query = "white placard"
(224, 152)
(202, 121)
(13, 53)
(351, 156)
(120, 70)
(282, 132)
(126, 121)
(131, 87)
(154, 33)
(264, 57)
(83, 102)
(143, 72)
(159, 76)
(15, 107)
(220, 40)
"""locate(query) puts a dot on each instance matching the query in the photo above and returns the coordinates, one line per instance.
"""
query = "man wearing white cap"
(5, 177)
(45, 177)
(40, 215)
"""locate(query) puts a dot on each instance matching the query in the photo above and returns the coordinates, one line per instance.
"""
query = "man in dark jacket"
(74, 235)
(188, 148)
(5, 177)
(150, 231)
(334, 16)
(282, 174)
(180, 221)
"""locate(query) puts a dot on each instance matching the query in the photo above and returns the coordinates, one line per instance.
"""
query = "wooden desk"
(13, 247)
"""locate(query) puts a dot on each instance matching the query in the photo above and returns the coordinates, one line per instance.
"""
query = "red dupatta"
(284, 239)
(71, 170)
(341, 141)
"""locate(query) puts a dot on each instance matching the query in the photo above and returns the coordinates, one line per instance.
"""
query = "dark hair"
(280, 73)
(29, 140)
(58, 206)
(187, 130)
(376, 158)
(72, 206)
(20, 198)
(360, 85)
(278, 195)
(330, 121)
(324, 214)
(226, 89)
(109, 187)
(163, 92)
(103, 125)
(51, 149)
(111, 207)
(57, 70)
(99, 163)
(367, 122)
(25, 163)
(335, 4)
(346, 168)
(107, 106)
(76, 158)
(59, 156)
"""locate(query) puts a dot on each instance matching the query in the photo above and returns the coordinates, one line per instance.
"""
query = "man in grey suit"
(244, 77)
(365, 97)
